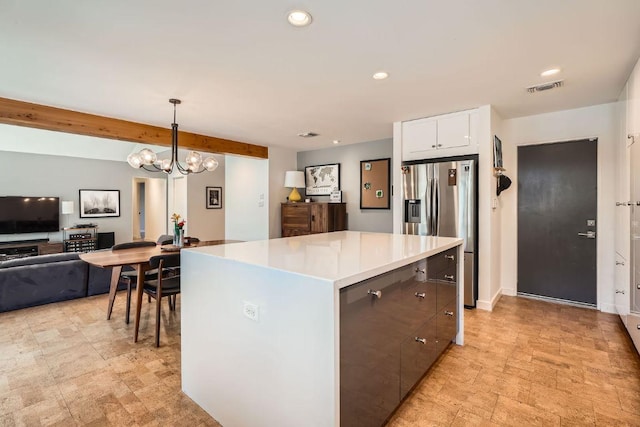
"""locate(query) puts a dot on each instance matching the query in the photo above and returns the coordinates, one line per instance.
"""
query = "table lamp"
(294, 180)
(67, 207)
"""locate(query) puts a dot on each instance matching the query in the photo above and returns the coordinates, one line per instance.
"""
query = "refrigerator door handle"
(436, 225)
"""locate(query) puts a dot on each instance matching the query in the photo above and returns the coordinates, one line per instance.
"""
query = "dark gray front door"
(557, 199)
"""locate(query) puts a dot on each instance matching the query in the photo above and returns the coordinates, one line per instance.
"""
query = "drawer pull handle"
(448, 313)
(420, 270)
(619, 262)
(620, 291)
(449, 277)
(449, 257)
(421, 294)
(377, 294)
(423, 340)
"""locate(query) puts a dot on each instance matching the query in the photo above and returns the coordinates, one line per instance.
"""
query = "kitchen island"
(268, 326)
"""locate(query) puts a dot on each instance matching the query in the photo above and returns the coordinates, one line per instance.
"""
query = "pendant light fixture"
(147, 159)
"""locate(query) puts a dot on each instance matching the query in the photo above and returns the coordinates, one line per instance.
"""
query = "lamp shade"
(67, 207)
(294, 179)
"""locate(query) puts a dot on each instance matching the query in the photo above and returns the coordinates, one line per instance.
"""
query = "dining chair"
(130, 276)
(166, 284)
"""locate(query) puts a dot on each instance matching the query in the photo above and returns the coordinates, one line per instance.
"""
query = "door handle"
(588, 234)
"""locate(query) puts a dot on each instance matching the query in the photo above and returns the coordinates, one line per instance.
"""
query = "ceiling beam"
(26, 114)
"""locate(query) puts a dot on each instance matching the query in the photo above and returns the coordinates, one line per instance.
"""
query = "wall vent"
(545, 86)
(307, 134)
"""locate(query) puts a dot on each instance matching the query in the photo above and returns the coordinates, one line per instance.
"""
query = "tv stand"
(25, 248)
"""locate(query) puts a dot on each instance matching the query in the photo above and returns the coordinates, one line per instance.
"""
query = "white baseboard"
(488, 306)
(509, 292)
(608, 308)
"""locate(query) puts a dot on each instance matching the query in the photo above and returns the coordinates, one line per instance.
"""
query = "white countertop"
(343, 257)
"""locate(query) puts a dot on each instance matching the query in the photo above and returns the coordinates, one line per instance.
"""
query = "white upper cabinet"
(453, 130)
(418, 136)
(436, 136)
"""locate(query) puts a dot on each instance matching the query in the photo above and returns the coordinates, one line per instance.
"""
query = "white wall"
(280, 161)
(349, 157)
(203, 223)
(247, 198)
(598, 121)
(43, 175)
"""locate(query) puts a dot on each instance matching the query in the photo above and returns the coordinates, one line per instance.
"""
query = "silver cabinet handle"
(449, 277)
(377, 294)
(420, 294)
(619, 262)
(420, 270)
(423, 340)
(450, 257)
(620, 291)
(448, 313)
(589, 234)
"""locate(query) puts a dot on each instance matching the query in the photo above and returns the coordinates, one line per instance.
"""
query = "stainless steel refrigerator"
(440, 199)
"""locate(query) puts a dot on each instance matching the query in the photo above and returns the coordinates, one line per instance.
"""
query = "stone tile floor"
(526, 363)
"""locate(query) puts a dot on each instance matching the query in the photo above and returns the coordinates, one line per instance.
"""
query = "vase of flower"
(178, 230)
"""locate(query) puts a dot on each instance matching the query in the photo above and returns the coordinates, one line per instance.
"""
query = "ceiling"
(243, 73)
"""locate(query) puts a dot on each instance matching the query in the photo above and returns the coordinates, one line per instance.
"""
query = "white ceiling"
(244, 73)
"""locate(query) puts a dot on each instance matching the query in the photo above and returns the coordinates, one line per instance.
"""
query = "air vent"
(545, 86)
(307, 134)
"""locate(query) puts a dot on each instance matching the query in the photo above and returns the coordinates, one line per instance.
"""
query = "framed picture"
(214, 197)
(99, 203)
(497, 152)
(375, 184)
(321, 180)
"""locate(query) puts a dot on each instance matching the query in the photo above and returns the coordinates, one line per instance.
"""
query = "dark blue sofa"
(30, 281)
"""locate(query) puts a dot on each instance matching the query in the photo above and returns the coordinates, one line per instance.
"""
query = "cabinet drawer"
(370, 335)
(290, 232)
(633, 325)
(446, 326)
(441, 261)
(417, 353)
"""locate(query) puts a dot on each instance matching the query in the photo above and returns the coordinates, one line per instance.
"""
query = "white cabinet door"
(418, 137)
(453, 130)
(621, 285)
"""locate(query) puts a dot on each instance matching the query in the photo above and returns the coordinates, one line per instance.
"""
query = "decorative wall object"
(99, 203)
(214, 197)
(375, 184)
(321, 180)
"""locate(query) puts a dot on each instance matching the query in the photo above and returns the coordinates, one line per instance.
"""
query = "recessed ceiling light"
(336, 141)
(381, 75)
(550, 72)
(299, 18)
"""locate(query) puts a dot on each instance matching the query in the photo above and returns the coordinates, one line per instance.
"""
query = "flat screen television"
(19, 214)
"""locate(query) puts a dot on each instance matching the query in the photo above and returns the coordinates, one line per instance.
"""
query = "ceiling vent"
(545, 86)
(307, 134)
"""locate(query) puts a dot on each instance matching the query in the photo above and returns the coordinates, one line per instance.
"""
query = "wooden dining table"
(139, 259)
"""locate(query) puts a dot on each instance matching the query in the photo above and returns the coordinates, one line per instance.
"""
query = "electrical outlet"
(251, 310)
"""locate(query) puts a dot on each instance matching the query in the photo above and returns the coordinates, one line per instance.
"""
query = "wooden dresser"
(310, 218)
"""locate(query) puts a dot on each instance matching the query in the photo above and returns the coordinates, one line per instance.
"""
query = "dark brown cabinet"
(310, 218)
(393, 327)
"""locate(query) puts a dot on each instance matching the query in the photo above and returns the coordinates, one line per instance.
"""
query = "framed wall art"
(375, 184)
(214, 197)
(99, 203)
(321, 180)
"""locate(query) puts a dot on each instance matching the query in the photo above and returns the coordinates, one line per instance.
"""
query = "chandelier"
(147, 159)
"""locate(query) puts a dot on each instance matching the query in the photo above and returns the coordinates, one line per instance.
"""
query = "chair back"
(168, 260)
(131, 245)
(165, 239)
